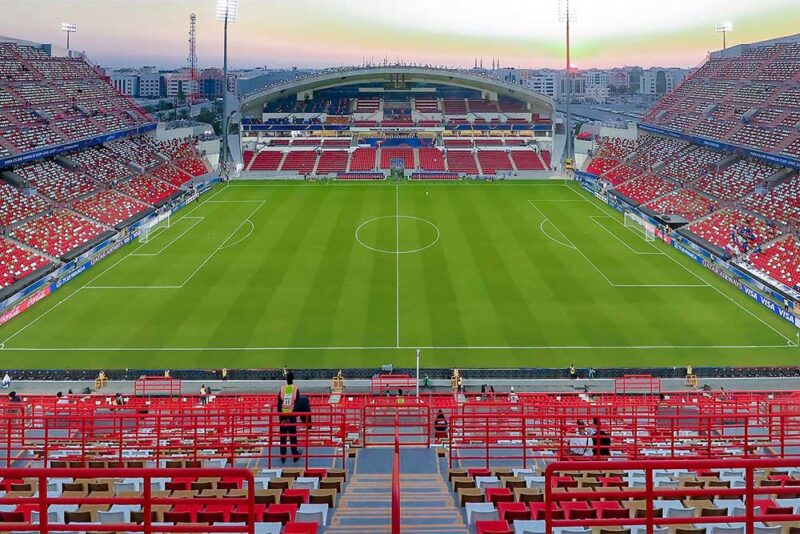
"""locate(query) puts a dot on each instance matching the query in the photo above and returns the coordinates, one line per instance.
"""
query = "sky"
(320, 33)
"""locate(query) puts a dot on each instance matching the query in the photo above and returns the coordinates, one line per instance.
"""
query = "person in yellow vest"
(288, 422)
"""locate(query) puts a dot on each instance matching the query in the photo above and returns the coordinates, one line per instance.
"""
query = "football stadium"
(399, 295)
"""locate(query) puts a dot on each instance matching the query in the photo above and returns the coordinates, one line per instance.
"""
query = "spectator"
(592, 372)
(224, 374)
(12, 397)
(118, 400)
(61, 399)
(440, 426)
(288, 421)
(203, 394)
(580, 443)
(6, 381)
(573, 372)
(512, 396)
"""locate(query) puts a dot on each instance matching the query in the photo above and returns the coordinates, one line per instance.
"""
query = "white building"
(127, 84)
(660, 81)
(149, 83)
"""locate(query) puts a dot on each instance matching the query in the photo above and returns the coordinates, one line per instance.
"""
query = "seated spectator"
(580, 444)
(13, 397)
(440, 426)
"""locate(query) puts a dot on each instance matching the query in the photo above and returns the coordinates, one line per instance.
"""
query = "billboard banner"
(24, 305)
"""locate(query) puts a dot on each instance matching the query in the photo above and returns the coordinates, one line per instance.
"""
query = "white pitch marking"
(165, 247)
(397, 258)
(344, 348)
(615, 236)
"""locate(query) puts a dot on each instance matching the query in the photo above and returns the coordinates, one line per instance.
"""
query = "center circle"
(397, 234)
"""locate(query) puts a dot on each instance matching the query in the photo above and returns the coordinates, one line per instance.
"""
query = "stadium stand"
(431, 159)
(54, 181)
(780, 261)
(683, 202)
(17, 263)
(646, 188)
(363, 159)
(109, 207)
(15, 207)
(492, 161)
(461, 161)
(333, 161)
(736, 181)
(780, 204)
(300, 161)
(734, 231)
(57, 233)
(148, 189)
(267, 160)
(389, 154)
(171, 174)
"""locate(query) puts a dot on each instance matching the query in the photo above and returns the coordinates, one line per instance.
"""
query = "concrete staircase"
(427, 506)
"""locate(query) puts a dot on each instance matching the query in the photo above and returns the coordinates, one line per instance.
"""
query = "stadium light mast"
(227, 11)
(68, 28)
(724, 28)
(566, 14)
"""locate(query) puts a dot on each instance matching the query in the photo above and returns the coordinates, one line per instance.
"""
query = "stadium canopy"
(254, 102)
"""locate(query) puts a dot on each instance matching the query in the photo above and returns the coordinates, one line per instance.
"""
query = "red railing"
(650, 493)
(380, 384)
(157, 385)
(42, 500)
(230, 434)
(396, 482)
(389, 417)
(637, 384)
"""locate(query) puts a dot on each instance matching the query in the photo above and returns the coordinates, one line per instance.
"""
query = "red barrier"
(156, 385)
(392, 383)
(147, 500)
(650, 493)
(637, 384)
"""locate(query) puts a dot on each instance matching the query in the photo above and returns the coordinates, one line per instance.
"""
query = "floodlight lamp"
(227, 10)
(724, 27)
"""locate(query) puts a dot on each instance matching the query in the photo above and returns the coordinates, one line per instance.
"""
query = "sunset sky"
(522, 33)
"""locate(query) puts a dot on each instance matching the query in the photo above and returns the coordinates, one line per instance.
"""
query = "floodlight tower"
(566, 14)
(724, 28)
(194, 89)
(227, 11)
(68, 28)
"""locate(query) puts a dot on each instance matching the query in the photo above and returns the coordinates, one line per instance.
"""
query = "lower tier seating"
(333, 161)
(646, 188)
(109, 207)
(192, 166)
(57, 233)
(389, 154)
(363, 159)
(171, 174)
(268, 160)
(780, 261)
(781, 204)
(16, 207)
(431, 159)
(16, 263)
(300, 161)
(462, 161)
(734, 231)
(527, 160)
(148, 189)
(684, 203)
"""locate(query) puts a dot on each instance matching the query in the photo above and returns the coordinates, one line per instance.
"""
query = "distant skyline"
(321, 33)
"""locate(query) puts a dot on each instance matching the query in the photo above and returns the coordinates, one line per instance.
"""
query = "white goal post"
(636, 222)
(162, 220)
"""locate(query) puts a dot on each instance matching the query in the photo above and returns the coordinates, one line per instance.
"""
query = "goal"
(162, 220)
(638, 224)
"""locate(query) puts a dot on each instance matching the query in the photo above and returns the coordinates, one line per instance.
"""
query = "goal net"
(640, 225)
(162, 220)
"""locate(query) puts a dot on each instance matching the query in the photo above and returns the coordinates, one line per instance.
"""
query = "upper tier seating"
(57, 233)
(267, 160)
(780, 261)
(16, 263)
(431, 159)
(135, 151)
(300, 161)
(653, 149)
(492, 161)
(714, 101)
(363, 159)
(54, 181)
(645, 188)
(426, 105)
(685, 203)
(616, 147)
(148, 189)
(388, 154)
(455, 107)
(332, 161)
(109, 207)
(100, 164)
(16, 207)
(457, 143)
(735, 181)
(462, 161)
(692, 164)
(733, 230)
(621, 173)
(781, 204)
(53, 100)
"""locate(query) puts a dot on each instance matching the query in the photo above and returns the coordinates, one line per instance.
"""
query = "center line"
(397, 259)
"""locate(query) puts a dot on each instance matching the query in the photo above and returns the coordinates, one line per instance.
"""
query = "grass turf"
(500, 275)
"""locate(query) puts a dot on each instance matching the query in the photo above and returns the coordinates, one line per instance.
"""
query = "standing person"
(440, 426)
(512, 396)
(573, 372)
(287, 421)
(6, 381)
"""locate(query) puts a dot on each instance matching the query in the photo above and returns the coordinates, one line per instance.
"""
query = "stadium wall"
(21, 301)
(753, 288)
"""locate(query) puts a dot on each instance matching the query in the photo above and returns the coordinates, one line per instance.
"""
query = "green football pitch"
(340, 275)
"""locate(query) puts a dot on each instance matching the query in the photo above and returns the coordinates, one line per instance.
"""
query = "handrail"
(650, 493)
(396, 479)
(42, 500)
